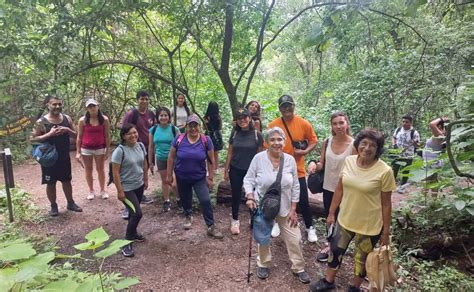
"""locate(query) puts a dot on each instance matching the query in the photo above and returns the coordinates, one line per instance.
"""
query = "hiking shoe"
(212, 231)
(275, 230)
(188, 221)
(104, 195)
(127, 251)
(166, 206)
(235, 227)
(322, 285)
(91, 196)
(73, 207)
(312, 237)
(353, 289)
(262, 272)
(146, 200)
(401, 190)
(139, 238)
(54, 210)
(303, 277)
(323, 255)
(125, 214)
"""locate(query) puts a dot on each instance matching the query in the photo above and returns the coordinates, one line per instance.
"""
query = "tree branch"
(144, 68)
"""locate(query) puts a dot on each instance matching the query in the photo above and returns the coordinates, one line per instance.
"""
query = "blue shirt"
(191, 158)
(162, 140)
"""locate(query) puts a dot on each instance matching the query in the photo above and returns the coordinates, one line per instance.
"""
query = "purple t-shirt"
(145, 121)
(191, 158)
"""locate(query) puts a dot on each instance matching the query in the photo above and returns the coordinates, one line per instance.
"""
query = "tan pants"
(292, 237)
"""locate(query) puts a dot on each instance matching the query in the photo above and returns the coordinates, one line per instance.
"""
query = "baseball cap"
(285, 99)
(243, 112)
(91, 101)
(193, 119)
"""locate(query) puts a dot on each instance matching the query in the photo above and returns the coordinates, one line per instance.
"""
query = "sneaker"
(262, 272)
(127, 251)
(166, 206)
(146, 200)
(91, 195)
(323, 255)
(73, 207)
(303, 277)
(312, 237)
(212, 231)
(322, 285)
(188, 221)
(125, 214)
(54, 210)
(104, 195)
(401, 190)
(139, 238)
(235, 227)
(275, 230)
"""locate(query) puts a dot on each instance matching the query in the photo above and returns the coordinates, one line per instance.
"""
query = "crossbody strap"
(280, 170)
(287, 130)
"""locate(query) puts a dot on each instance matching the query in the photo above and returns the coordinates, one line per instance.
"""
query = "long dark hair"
(100, 117)
(163, 109)
(213, 116)
(124, 130)
(259, 110)
(184, 104)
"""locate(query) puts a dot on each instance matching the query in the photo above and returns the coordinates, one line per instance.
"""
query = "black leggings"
(327, 199)
(396, 167)
(236, 177)
(135, 197)
(304, 203)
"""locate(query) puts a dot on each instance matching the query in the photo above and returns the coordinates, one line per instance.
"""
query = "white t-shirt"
(261, 176)
(181, 116)
(404, 141)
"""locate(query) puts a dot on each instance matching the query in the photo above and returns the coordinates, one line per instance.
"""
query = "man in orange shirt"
(300, 140)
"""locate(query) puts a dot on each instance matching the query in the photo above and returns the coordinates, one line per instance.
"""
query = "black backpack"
(111, 175)
(270, 203)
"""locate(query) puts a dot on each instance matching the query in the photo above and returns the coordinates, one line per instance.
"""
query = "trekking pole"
(252, 213)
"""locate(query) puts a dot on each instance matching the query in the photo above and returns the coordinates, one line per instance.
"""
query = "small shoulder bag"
(270, 203)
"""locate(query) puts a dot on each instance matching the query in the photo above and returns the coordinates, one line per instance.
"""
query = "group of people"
(356, 191)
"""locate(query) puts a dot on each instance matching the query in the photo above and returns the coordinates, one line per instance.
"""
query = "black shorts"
(60, 171)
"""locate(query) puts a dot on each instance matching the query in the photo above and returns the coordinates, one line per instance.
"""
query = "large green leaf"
(129, 204)
(29, 272)
(125, 283)
(62, 285)
(91, 283)
(98, 235)
(16, 252)
(460, 204)
(7, 278)
(38, 260)
(112, 248)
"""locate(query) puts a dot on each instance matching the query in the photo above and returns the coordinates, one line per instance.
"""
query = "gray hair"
(272, 131)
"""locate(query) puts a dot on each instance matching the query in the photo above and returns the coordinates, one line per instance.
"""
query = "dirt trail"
(171, 258)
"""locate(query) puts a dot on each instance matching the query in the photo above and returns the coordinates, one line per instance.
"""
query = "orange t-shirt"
(300, 129)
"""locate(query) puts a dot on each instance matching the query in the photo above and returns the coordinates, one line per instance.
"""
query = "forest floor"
(171, 258)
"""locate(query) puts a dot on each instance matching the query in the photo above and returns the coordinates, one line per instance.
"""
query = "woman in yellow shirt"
(363, 195)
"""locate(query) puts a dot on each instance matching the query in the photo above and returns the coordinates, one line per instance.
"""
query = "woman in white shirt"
(260, 176)
(182, 112)
(334, 152)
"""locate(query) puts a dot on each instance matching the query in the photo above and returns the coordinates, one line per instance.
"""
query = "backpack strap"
(153, 130)
(173, 130)
(287, 130)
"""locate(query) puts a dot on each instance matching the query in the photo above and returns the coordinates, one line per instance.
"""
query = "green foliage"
(23, 208)
(24, 269)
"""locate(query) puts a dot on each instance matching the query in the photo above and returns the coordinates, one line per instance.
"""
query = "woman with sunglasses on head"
(130, 176)
(255, 110)
(245, 141)
(93, 143)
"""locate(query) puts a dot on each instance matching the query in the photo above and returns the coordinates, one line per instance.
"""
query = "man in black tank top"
(56, 128)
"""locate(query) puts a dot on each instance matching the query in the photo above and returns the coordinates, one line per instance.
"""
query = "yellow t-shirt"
(361, 205)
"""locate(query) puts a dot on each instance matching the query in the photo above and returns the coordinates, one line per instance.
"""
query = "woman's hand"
(226, 175)
(331, 219)
(312, 166)
(121, 196)
(293, 218)
(169, 179)
(251, 203)
(145, 183)
(210, 182)
(385, 238)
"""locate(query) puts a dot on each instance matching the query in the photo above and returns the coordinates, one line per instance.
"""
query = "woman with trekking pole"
(267, 169)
